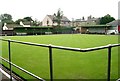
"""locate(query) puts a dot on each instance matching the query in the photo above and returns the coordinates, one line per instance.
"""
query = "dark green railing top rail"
(109, 47)
(62, 47)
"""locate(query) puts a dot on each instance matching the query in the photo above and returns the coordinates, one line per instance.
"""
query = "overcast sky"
(71, 8)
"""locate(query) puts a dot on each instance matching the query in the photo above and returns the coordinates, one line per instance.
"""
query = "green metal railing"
(50, 47)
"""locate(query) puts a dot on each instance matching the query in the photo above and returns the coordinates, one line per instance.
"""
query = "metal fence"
(50, 47)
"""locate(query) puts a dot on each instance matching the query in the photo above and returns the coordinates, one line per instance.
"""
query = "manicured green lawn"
(66, 64)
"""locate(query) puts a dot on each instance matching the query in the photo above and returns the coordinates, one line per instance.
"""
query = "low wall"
(8, 32)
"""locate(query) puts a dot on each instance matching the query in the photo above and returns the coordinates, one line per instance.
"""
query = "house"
(7, 29)
(82, 22)
(109, 28)
(91, 25)
(49, 20)
(12, 26)
(115, 27)
(8, 26)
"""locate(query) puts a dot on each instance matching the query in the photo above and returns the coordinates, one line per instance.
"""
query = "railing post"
(50, 61)
(109, 63)
(9, 52)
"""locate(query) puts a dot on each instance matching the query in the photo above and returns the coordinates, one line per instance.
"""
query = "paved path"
(2, 76)
(5, 76)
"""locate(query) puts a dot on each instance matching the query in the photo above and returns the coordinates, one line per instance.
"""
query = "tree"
(36, 22)
(58, 17)
(106, 19)
(6, 18)
(25, 19)
(18, 21)
(28, 18)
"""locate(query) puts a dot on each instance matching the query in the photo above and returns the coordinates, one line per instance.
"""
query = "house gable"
(50, 20)
(47, 21)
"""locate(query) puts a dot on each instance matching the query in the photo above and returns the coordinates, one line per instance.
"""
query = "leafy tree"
(18, 21)
(36, 22)
(106, 19)
(25, 19)
(28, 18)
(6, 18)
(58, 17)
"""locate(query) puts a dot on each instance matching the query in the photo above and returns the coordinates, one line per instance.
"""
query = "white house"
(49, 20)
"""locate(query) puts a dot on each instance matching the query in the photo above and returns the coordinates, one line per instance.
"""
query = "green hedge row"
(42, 30)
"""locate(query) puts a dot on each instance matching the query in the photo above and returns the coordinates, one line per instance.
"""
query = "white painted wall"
(5, 27)
(44, 22)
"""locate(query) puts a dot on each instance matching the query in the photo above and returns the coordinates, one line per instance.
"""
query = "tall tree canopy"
(6, 18)
(106, 19)
(18, 21)
(25, 19)
(28, 18)
(58, 16)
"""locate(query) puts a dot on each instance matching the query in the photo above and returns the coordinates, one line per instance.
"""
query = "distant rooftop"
(114, 23)
(64, 18)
